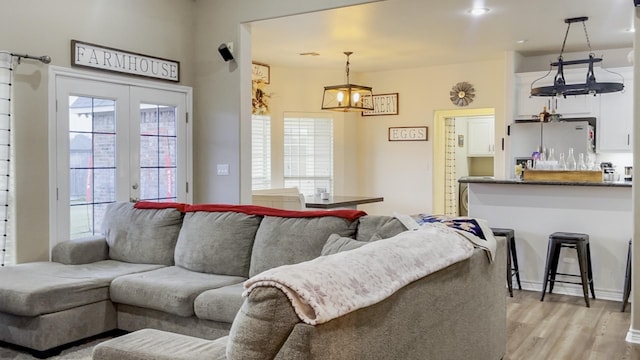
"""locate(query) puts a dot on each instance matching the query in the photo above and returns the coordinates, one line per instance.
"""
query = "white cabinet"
(480, 131)
(572, 106)
(615, 120)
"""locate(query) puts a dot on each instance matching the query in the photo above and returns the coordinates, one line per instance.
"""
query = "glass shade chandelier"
(590, 86)
(347, 97)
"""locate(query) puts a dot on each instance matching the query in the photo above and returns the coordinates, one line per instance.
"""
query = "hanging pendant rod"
(44, 59)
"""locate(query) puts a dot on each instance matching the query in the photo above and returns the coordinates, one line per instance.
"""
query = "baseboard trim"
(633, 336)
(576, 290)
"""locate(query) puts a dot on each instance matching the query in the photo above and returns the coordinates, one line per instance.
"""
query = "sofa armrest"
(81, 251)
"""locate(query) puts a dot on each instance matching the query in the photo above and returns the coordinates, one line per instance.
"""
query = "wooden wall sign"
(408, 133)
(383, 104)
(108, 59)
(260, 72)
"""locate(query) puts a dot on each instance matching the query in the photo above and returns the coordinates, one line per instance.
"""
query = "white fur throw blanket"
(331, 286)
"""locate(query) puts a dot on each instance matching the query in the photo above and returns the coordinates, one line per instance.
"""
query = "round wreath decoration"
(462, 94)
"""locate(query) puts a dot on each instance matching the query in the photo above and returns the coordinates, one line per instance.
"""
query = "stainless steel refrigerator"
(527, 137)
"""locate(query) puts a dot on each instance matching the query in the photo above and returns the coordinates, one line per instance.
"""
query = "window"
(92, 162)
(158, 152)
(308, 152)
(260, 152)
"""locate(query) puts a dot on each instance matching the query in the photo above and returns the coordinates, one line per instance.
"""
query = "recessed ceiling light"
(478, 11)
(522, 41)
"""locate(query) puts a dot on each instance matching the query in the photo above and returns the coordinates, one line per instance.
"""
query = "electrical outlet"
(223, 169)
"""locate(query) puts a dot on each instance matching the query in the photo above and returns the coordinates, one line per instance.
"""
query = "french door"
(115, 142)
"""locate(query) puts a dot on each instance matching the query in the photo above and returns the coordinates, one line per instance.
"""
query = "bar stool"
(579, 242)
(627, 279)
(512, 257)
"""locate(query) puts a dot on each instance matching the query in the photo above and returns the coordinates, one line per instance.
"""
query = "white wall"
(222, 91)
(366, 163)
(188, 31)
(162, 28)
(610, 59)
(290, 94)
(402, 171)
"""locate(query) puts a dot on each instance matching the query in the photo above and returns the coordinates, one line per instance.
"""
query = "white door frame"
(56, 71)
(439, 150)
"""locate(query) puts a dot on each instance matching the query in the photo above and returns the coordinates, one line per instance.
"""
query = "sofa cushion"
(171, 289)
(221, 304)
(38, 288)
(283, 241)
(337, 243)
(378, 225)
(146, 236)
(217, 242)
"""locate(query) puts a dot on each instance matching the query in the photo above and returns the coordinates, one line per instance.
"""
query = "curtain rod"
(45, 58)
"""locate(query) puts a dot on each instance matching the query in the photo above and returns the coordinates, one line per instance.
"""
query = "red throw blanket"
(348, 214)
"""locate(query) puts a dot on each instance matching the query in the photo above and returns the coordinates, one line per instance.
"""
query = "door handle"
(134, 186)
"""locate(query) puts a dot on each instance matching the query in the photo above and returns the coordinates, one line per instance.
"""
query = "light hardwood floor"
(562, 327)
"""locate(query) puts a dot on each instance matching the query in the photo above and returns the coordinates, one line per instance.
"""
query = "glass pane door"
(92, 162)
(115, 142)
(158, 141)
(158, 144)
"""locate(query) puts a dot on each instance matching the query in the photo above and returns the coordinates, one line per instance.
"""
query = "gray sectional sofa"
(177, 270)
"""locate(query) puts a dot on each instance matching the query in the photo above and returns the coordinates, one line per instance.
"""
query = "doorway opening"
(453, 148)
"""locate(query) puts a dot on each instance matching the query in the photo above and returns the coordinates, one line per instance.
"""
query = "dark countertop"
(314, 202)
(488, 180)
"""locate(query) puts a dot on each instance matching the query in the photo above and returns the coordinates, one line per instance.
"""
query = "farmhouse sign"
(109, 59)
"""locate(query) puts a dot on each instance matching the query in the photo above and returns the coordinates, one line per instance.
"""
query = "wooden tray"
(589, 176)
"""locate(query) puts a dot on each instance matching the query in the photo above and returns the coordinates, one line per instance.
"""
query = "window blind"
(308, 152)
(260, 152)
(7, 241)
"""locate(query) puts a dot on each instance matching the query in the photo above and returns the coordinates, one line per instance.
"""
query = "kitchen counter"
(537, 209)
(487, 180)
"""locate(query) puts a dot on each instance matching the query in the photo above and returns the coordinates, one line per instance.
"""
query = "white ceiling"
(395, 34)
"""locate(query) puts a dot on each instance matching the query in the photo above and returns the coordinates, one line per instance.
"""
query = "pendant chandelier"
(590, 86)
(347, 97)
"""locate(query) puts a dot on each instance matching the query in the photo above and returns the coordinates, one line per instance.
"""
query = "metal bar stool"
(579, 242)
(512, 257)
(627, 280)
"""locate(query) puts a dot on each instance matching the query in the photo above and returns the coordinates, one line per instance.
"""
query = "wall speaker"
(223, 49)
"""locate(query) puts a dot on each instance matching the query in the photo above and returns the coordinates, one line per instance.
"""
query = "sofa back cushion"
(145, 236)
(375, 227)
(217, 242)
(284, 240)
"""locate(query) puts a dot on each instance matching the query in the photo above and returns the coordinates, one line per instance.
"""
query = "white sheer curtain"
(450, 181)
(7, 240)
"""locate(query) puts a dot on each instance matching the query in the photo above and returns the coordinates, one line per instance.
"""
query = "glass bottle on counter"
(571, 161)
(581, 164)
(562, 164)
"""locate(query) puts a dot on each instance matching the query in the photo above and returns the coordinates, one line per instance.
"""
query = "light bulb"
(356, 98)
(340, 96)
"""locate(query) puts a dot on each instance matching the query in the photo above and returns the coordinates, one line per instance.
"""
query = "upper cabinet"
(480, 132)
(615, 118)
(613, 111)
(528, 106)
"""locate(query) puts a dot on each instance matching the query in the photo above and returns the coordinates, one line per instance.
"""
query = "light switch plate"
(223, 169)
